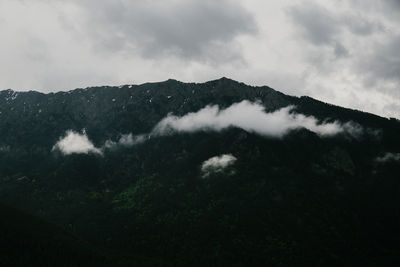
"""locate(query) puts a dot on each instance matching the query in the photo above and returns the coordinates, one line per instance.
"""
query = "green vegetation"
(299, 200)
(28, 241)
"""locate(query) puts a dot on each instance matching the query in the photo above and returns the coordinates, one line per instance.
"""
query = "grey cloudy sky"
(344, 52)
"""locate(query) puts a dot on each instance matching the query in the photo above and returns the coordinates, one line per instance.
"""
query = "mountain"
(28, 241)
(217, 173)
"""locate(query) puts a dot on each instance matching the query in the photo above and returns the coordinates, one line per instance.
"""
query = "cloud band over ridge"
(246, 115)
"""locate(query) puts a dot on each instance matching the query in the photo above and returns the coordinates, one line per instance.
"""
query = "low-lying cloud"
(250, 117)
(126, 140)
(76, 143)
(388, 157)
(245, 115)
(217, 164)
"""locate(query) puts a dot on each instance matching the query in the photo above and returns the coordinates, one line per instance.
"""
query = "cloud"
(383, 63)
(248, 116)
(356, 130)
(79, 143)
(76, 143)
(129, 139)
(323, 26)
(217, 164)
(4, 148)
(349, 49)
(388, 157)
(301, 47)
(362, 26)
(394, 5)
(188, 29)
(318, 24)
(125, 140)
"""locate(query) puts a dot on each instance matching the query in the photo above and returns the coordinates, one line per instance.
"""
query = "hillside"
(28, 241)
(218, 173)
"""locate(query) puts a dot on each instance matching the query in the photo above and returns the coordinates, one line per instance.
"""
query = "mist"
(78, 143)
(75, 143)
(388, 157)
(246, 115)
(250, 117)
(217, 164)
(126, 140)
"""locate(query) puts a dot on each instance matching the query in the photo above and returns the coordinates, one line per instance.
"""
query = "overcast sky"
(345, 52)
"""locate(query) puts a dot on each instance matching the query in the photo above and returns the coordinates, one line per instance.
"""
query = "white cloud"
(76, 143)
(288, 45)
(246, 115)
(250, 117)
(217, 164)
(130, 140)
(79, 143)
(4, 149)
(388, 157)
(125, 140)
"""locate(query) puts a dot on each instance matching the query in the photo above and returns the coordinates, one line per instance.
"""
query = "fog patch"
(356, 130)
(250, 117)
(79, 143)
(246, 115)
(388, 157)
(130, 140)
(217, 164)
(126, 140)
(76, 143)
(4, 149)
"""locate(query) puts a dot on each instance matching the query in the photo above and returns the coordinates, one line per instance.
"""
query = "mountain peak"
(172, 81)
(144, 161)
(225, 80)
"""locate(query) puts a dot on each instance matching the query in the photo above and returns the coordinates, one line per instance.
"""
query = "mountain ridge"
(298, 197)
(223, 80)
